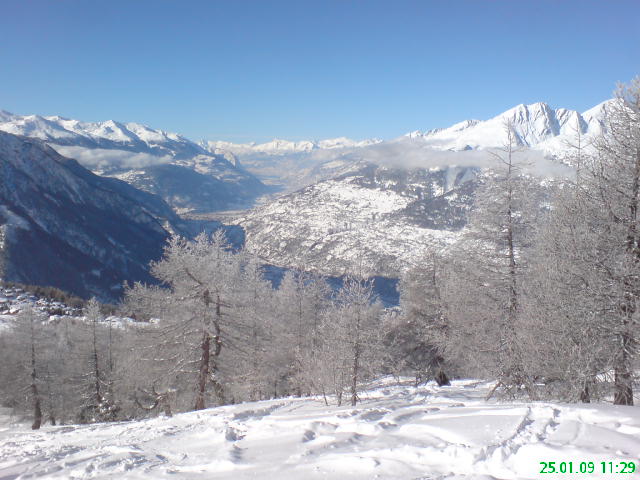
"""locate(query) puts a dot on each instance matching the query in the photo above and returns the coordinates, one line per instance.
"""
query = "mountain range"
(370, 206)
(185, 175)
(536, 126)
(293, 165)
(63, 226)
(381, 207)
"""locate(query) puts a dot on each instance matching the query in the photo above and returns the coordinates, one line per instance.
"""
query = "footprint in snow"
(323, 428)
(373, 415)
(128, 462)
(411, 415)
(233, 434)
(256, 414)
(308, 436)
(236, 454)
(387, 425)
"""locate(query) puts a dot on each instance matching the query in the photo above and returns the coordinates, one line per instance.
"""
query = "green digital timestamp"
(588, 467)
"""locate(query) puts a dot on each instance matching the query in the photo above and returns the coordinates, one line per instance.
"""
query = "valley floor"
(396, 432)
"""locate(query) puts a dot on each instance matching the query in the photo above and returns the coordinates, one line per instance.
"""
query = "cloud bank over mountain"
(108, 159)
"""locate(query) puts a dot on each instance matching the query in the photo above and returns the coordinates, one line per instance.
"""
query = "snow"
(99, 159)
(121, 150)
(335, 227)
(396, 432)
(13, 300)
(280, 147)
(109, 134)
(533, 123)
(5, 321)
(536, 125)
(108, 146)
(297, 164)
(11, 218)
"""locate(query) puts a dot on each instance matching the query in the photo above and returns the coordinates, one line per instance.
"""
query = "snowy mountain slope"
(187, 190)
(376, 218)
(533, 124)
(130, 151)
(293, 165)
(333, 223)
(536, 126)
(14, 299)
(281, 147)
(108, 135)
(63, 226)
(396, 432)
(285, 163)
(372, 220)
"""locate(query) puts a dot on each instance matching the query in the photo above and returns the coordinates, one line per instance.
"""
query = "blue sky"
(243, 70)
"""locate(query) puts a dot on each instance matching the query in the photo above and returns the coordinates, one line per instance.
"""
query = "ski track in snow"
(396, 432)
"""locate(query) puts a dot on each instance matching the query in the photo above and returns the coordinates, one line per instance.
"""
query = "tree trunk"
(442, 379)
(623, 378)
(512, 368)
(203, 375)
(354, 378)
(205, 346)
(37, 409)
(217, 340)
(585, 394)
(97, 379)
(356, 364)
(96, 368)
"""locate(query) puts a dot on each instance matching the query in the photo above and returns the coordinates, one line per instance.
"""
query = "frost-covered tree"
(23, 356)
(585, 279)
(93, 351)
(615, 187)
(192, 316)
(351, 336)
(71, 386)
(419, 334)
(484, 290)
(300, 301)
(564, 306)
(31, 318)
(255, 345)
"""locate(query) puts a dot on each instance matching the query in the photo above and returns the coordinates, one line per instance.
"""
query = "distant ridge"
(62, 226)
(184, 174)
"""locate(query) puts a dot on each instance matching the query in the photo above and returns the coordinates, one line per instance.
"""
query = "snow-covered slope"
(537, 125)
(349, 218)
(110, 134)
(396, 195)
(371, 219)
(396, 432)
(281, 147)
(285, 163)
(293, 165)
(139, 155)
(61, 225)
(187, 188)
(15, 299)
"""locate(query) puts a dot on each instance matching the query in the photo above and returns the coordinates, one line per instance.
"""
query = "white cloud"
(416, 153)
(106, 159)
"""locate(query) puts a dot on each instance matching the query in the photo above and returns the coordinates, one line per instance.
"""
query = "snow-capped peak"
(59, 130)
(595, 116)
(535, 125)
(279, 146)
